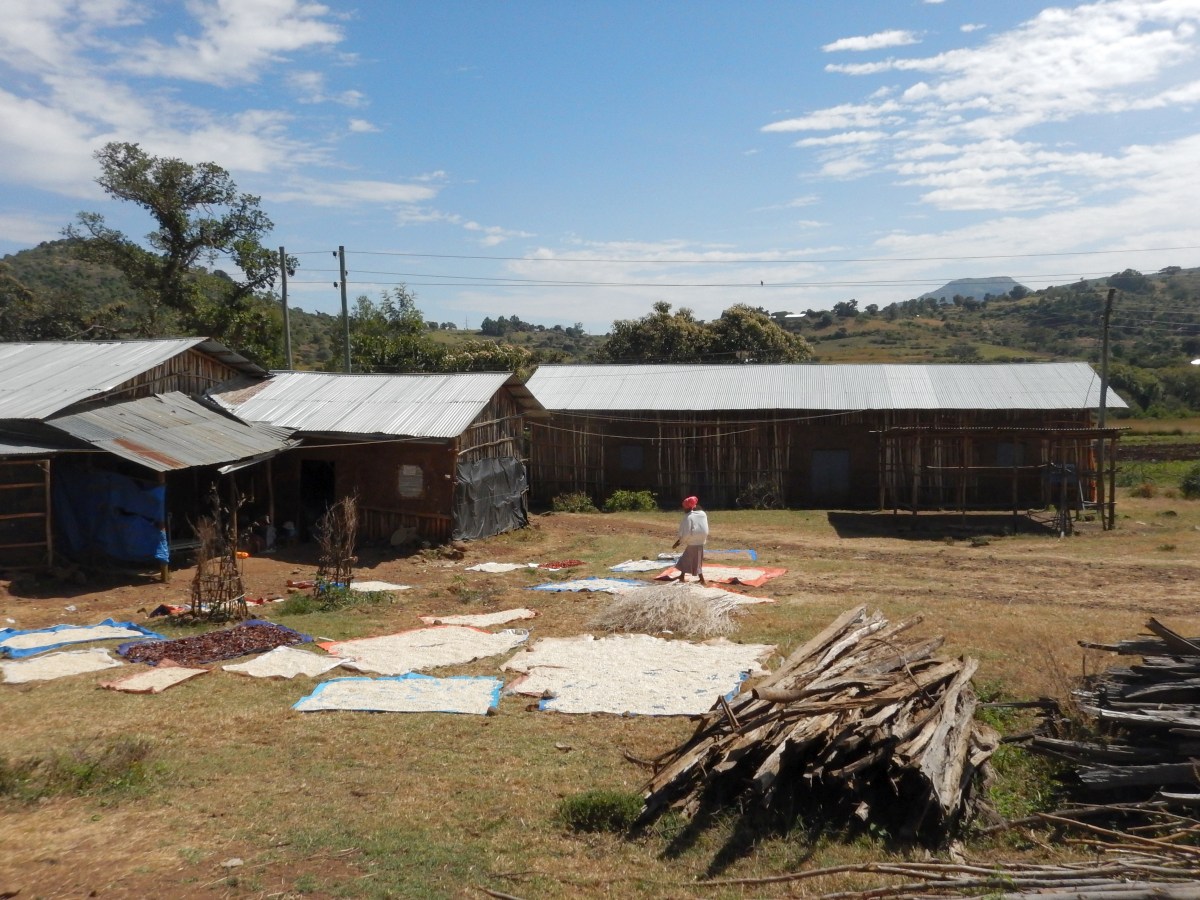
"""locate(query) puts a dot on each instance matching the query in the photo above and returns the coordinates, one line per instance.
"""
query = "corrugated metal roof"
(39, 379)
(170, 431)
(674, 388)
(423, 406)
(21, 446)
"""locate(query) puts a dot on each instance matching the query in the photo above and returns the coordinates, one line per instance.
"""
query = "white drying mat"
(380, 586)
(285, 662)
(23, 643)
(57, 665)
(642, 565)
(423, 648)
(500, 567)
(481, 620)
(154, 680)
(406, 693)
(634, 673)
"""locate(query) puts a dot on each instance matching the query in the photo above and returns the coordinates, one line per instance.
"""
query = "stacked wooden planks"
(862, 723)
(1135, 731)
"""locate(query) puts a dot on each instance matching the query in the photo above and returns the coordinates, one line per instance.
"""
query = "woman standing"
(693, 534)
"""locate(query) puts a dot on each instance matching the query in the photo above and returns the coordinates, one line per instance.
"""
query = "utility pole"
(341, 255)
(1106, 520)
(287, 322)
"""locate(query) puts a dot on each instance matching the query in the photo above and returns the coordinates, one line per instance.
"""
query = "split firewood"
(861, 722)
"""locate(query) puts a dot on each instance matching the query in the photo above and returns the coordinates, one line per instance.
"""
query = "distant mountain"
(979, 288)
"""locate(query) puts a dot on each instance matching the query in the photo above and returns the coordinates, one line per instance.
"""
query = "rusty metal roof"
(40, 379)
(170, 431)
(413, 405)
(843, 387)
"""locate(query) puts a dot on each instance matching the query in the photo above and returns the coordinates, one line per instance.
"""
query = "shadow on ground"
(937, 526)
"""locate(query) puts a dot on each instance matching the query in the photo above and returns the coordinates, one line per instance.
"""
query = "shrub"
(1189, 487)
(630, 501)
(600, 810)
(1146, 489)
(578, 502)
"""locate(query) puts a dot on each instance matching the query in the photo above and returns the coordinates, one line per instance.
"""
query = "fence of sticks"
(861, 725)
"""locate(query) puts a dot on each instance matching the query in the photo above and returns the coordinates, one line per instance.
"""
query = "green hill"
(47, 293)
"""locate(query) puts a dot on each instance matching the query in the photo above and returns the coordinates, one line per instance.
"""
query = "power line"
(759, 261)
(493, 281)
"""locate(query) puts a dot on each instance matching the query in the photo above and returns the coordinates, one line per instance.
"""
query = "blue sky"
(577, 161)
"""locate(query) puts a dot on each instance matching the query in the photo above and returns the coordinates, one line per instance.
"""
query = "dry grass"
(680, 609)
(361, 805)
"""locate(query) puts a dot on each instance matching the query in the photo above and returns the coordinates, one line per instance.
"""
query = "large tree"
(660, 336)
(391, 336)
(201, 219)
(741, 334)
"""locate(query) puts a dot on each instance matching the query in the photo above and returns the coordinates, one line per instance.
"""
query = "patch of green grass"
(600, 810)
(331, 598)
(1025, 783)
(121, 765)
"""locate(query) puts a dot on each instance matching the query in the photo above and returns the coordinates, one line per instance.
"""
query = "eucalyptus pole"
(1105, 501)
(341, 255)
(287, 322)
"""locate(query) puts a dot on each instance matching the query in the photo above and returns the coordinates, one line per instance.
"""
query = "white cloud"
(361, 126)
(849, 115)
(875, 41)
(959, 129)
(236, 39)
(846, 137)
(493, 234)
(970, 27)
(310, 88)
(23, 228)
(350, 193)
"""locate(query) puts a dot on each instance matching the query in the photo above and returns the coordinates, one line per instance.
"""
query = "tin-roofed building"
(993, 436)
(429, 456)
(103, 445)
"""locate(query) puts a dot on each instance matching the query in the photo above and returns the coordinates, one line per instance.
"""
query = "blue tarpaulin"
(106, 513)
(70, 634)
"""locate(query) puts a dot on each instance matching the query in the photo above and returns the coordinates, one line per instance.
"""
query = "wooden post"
(164, 568)
(46, 471)
(1100, 448)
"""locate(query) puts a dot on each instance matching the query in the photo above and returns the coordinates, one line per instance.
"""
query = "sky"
(576, 162)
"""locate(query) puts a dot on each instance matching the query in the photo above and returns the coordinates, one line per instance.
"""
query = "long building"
(893, 436)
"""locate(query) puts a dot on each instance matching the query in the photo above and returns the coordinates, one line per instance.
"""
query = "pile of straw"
(685, 609)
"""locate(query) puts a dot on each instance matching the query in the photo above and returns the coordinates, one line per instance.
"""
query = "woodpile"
(1133, 732)
(863, 724)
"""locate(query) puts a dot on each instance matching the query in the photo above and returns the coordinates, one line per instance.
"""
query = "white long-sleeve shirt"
(693, 530)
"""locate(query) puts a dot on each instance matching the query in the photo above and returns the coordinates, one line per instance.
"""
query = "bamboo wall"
(722, 457)
(496, 433)
(191, 373)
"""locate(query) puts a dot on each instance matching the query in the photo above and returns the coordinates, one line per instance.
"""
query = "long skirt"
(692, 560)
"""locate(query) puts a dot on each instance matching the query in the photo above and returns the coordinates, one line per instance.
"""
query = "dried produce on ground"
(562, 564)
(254, 636)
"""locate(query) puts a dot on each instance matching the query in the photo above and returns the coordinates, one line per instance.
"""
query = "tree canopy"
(200, 218)
(391, 336)
(741, 334)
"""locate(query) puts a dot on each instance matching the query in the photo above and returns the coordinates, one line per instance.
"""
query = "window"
(411, 483)
(632, 457)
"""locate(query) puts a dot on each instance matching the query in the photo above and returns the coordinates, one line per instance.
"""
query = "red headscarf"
(691, 502)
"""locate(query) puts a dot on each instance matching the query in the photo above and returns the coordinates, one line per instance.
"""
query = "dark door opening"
(317, 494)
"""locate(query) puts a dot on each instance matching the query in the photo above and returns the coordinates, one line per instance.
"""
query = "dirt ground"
(1018, 600)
